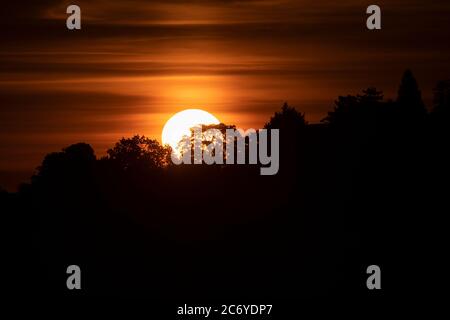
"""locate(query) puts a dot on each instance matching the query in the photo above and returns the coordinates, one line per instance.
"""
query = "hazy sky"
(135, 63)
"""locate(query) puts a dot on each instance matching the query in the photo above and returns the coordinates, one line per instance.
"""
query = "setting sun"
(179, 125)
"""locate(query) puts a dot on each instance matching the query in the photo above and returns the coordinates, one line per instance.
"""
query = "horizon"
(12, 179)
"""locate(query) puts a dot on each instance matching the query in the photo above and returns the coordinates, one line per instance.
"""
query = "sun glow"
(180, 124)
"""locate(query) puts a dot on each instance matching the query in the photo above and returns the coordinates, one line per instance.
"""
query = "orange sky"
(135, 63)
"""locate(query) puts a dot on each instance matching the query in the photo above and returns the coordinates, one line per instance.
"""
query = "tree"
(75, 161)
(139, 152)
(357, 117)
(370, 97)
(355, 111)
(81, 152)
(292, 125)
(187, 143)
(288, 119)
(409, 98)
(344, 111)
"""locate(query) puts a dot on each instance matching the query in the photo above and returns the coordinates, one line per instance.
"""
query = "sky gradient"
(135, 63)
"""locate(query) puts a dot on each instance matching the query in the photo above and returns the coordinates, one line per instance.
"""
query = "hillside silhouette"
(365, 186)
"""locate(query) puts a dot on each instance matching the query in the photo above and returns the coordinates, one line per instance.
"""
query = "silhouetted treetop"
(355, 111)
(82, 152)
(139, 152)
(370, 96)
(208, 134)
(409, 96)
(288, 119)
(78, 157)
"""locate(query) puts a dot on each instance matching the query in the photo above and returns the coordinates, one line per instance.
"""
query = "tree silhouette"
(73, 163)
(139, 152)
(352, 110)
(370, 97)
(409, 98)
(292, 125)
(288, 119)
(357, 116)
(220, 127)
(187, 144)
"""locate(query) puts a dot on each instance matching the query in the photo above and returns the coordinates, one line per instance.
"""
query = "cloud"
(32, 103)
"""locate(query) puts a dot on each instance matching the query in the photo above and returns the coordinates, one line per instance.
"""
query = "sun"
(180, 124)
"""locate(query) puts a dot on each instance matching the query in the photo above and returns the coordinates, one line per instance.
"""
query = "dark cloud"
(26, 101)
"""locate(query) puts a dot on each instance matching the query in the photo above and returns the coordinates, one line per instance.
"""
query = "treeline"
(362, 187)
